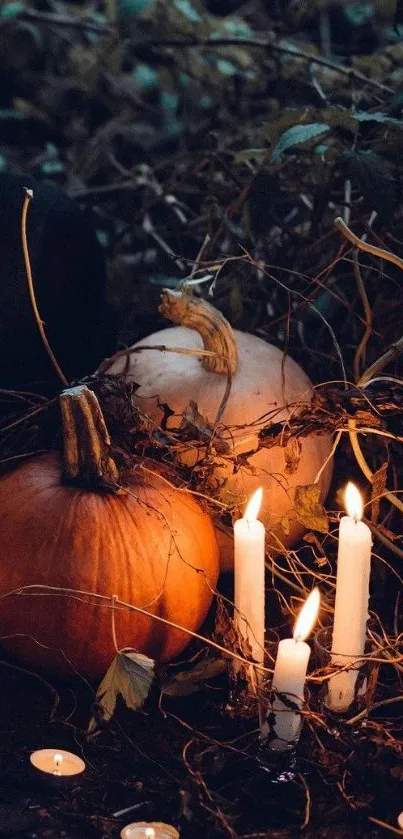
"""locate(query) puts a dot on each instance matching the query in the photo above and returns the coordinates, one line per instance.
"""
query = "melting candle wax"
(351, 604)
(289, 678)
(249, 576)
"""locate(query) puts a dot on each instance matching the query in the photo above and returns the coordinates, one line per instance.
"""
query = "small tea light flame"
(57, 760)
(307, 616)
(150, 832)
(253, 506)
(353, 502)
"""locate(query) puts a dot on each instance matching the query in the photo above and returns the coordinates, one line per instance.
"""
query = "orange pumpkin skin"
(151, 545)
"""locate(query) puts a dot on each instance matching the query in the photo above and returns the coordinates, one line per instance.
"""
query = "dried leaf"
(246, 155)
(190, 681)
(130, 675)
(309, 510)
(285, 525)
(194, 426)
(378, 489)
(292, 455)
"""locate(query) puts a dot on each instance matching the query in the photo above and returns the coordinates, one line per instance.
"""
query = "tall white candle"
(352, 596)
(289, 678)
(249, 567)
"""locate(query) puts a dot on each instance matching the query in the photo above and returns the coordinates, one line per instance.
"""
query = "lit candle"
(249, 567)
(289, 678)
(352, 596)
(149, 830)
(57, 763)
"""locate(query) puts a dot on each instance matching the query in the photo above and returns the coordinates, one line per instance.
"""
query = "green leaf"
(377, 116)
(190, 681)
(187, 9)
(359, 14)
(298, 134)
(131, 8)
(12, 9)
(308, 508)
(130, 675)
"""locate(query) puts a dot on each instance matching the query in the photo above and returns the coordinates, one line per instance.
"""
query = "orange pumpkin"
(148, 543)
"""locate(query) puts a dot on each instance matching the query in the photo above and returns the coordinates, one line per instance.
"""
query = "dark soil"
(186, 763)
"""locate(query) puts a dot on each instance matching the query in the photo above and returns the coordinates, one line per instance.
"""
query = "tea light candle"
(149, 830)
(249, 578)
(57, 763)
(352, 596)
(289, 678)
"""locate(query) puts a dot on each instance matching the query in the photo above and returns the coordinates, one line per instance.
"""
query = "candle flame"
(149, 832)
(353, 501)
(307, 616)
(253, 506)
(57, 760)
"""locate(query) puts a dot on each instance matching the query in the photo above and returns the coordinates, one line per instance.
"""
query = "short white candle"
(289, 677)
(57, 762)
(249, 576)
(352, 596)
(149, 830)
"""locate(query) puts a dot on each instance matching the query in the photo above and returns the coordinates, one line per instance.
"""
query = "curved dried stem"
(217, 334)
(365, 246)
(381, 362)
(368, 317)
(39, 322)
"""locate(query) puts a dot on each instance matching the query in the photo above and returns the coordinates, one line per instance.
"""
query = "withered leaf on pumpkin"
(309, 510)
(195, 426)
(292, 455)
(130, 675)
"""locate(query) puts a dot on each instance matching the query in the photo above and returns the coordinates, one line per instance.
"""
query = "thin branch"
(270, 46)
(365, 246)
(27, 200)
(368, 317)
(64, 20)
(381, 362)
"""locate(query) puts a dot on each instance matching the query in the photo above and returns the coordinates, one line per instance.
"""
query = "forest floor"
(205, 130)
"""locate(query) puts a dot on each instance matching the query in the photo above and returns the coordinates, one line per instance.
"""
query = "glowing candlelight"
(289, 677)
(253, 506)
(249, 577)
(149, 830)
(307, 616)
(353, 502)
(57, 763)
(352, 596)
(57, 760)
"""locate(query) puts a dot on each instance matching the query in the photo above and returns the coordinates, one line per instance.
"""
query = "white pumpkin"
(266, 386)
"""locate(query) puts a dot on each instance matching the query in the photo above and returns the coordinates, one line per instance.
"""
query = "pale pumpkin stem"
(217, 334)
(87, 454)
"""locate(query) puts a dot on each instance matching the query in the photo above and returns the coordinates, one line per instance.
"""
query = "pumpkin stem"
(87, 455)
(217, 334)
